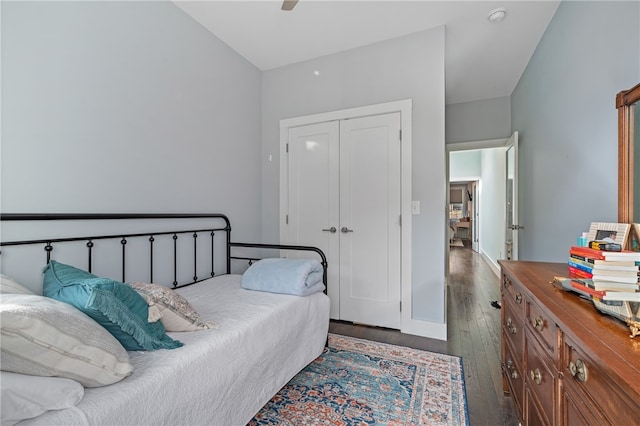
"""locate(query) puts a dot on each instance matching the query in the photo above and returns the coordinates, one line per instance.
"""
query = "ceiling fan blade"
(288, 4)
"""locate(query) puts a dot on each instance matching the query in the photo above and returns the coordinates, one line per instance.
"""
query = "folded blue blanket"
(300, 277)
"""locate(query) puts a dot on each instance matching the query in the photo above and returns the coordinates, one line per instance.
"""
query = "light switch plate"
(415, 207)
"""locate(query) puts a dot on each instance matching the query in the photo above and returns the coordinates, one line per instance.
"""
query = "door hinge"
(400, 220)
(401, 306)
(286, 219)
(287, 149)
(400, 135)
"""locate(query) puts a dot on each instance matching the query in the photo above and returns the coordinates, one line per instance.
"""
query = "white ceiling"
(483, 60)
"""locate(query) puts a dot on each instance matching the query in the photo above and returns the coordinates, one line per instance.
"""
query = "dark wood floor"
(473, 334)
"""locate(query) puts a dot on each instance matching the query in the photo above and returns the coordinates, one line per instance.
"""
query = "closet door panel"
(313, 196)
(370, 220)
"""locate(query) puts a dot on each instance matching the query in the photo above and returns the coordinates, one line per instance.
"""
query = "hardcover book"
(615, 278)
(603, 265)
(578, 273)
(605, 255)
(614, 273)
(630, 296)
(585, 290)
(598, 262)
(607, 285)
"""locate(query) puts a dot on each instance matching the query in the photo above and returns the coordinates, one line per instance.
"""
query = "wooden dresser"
(563, 362)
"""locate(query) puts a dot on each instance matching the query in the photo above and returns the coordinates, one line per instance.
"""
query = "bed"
(220, 375)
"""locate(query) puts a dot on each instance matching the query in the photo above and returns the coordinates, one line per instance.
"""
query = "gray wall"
(479, 120)
(126, 107)
(465, 165)
(406, 67)
(564, 109)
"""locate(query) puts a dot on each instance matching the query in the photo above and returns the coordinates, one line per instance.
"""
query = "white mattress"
(220, 376)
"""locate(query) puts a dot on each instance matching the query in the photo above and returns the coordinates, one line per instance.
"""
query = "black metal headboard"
(219, 224)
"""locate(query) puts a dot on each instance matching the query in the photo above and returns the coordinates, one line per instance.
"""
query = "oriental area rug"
(361, 382)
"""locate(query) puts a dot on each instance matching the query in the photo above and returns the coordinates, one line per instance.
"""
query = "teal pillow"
(114, 305)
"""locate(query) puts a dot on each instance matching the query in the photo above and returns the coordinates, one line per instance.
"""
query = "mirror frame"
(626, 127)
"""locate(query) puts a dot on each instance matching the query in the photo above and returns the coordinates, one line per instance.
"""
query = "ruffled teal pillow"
(114, 305)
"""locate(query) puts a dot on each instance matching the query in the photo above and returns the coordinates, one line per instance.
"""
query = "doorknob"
(332, 230)
(516, 227)
(344, 230)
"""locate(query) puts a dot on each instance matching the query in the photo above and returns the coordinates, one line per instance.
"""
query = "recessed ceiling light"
(316, 72)
(497, 15)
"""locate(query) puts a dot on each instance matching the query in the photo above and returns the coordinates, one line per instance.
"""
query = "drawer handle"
(512, 372)
(506, 283)
(538, 323)
(536, 376)
(579, 370)
(518, 298)
(511, 327)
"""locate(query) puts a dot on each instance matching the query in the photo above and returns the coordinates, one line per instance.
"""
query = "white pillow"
(25, 397)
(9, 286)
(174, 311)
(46, 337)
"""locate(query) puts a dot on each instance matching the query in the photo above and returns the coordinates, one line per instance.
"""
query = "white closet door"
(370, 220)
(313, 196)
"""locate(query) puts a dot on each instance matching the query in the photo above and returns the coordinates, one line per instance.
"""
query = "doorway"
(484, 162)
(463, 215)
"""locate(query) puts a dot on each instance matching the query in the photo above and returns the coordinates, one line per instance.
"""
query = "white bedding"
(220, 376)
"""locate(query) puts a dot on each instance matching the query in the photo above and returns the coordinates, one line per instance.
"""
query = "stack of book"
(609, 277)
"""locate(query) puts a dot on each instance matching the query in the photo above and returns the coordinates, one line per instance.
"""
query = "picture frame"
(618, 232)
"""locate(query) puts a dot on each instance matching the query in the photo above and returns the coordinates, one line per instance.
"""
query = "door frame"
(512, 143)
(404, 107)
(475, 242)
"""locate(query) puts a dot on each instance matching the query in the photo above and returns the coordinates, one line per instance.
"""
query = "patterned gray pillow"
(175, 312)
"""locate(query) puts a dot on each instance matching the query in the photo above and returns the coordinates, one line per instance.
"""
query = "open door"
(512, 227)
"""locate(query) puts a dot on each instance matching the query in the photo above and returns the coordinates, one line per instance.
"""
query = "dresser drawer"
(534, 415)
(512, 370)
(540, 377)
(543, 328)
(576, 408)
(583, 374)
(512, 292)
(513, 328)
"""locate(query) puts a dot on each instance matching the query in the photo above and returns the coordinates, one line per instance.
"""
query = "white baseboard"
(493, 264)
